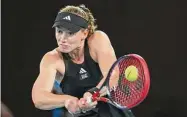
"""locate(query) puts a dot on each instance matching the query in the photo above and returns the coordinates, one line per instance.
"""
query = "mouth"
(64, 46)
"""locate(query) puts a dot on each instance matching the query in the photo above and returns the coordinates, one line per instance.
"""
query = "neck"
(77, 55)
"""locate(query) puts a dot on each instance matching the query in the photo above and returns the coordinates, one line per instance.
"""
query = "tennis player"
(83, 57)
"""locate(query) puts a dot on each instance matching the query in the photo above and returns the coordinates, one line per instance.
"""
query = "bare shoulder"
(50, 58)
(100, 46)
(99, 39)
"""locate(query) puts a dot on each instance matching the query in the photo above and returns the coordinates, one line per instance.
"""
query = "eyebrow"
(63, 29)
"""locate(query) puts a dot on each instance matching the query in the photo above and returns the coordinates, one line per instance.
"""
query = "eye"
(71, 33)
(60, 31)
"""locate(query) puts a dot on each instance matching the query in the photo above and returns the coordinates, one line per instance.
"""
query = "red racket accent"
(131, 93)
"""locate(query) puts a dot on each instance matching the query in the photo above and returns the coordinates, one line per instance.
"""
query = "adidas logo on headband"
(70, 21)
(67, 18)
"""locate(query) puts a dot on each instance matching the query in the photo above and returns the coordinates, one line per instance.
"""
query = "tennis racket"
(122, 92)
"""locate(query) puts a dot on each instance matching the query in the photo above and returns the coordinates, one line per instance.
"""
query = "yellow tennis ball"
(131, 73)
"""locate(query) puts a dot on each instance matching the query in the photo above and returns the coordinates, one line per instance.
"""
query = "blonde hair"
(83, 12)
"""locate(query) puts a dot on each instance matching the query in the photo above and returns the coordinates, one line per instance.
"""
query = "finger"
(87, 94)
(82, 101)
(93, 104)
(78, 110)
(74, 109)
(89, 99)
(72, 106)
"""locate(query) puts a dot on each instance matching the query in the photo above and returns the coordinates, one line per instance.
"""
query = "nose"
(63, 37)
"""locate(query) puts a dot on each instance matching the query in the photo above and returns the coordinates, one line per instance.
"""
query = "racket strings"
(128, 92)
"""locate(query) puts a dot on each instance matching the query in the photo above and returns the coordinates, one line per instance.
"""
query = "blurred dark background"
(155, 29)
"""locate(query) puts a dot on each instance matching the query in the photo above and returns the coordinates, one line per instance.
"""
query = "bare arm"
(105, 54)
(41, 92)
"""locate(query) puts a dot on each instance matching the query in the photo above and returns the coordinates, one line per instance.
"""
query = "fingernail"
(83, 102)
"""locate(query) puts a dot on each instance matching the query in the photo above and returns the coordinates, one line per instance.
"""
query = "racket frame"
(96, 95)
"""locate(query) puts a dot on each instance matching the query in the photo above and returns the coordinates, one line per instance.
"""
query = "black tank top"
(79, 78)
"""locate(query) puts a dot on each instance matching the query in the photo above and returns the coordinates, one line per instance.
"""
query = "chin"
(64, 50)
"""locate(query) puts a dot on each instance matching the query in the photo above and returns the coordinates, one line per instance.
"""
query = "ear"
(85, 33)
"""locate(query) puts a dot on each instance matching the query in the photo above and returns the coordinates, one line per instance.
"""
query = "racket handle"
(104, 91)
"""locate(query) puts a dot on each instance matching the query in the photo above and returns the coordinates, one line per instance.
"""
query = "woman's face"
(68, 41)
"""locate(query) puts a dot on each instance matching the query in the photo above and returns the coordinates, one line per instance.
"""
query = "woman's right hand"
(71, 105)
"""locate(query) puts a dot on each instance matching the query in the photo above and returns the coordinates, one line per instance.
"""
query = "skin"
(101, 51)
(5, 111)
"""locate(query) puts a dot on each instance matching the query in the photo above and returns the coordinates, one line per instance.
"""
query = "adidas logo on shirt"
(83, 74)
(82, 71)
(67, 18)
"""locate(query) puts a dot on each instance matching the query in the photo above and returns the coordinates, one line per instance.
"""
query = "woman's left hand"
(85, 103)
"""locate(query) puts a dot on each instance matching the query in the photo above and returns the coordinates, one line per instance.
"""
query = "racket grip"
(93, 98)
(93, 90)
